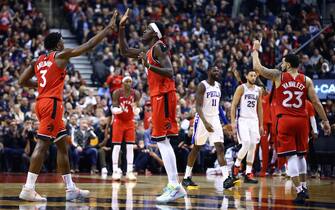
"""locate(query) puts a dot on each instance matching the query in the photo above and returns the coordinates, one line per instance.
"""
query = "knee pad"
(293, 166)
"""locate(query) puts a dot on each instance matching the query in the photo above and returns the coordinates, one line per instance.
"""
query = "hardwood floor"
(269, 193)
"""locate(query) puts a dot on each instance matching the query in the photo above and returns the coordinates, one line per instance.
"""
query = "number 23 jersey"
(50, 77)
(248, 102)
(291, 95)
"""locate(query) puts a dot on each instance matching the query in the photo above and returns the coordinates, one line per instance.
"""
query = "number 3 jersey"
(211, 102)
(50, 77)
(248, 102)
(291, 95)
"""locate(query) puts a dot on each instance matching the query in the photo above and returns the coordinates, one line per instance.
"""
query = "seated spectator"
(84, 142)
(14, 145)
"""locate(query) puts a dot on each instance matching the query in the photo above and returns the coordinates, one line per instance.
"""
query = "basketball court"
(269, 193)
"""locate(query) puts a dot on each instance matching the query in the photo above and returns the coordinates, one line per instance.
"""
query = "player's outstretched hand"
(124, 18)
(112, 23)
(326, 127)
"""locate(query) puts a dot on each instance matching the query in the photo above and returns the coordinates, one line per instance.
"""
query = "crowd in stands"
(198, 33)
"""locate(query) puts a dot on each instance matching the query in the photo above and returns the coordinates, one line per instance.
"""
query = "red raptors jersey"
(158, 84)
(291, 95)
(266, 109)
(50, 78)
(126, 104)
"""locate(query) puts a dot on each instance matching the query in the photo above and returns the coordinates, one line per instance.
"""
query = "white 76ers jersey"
(210, 106)
(248, 102)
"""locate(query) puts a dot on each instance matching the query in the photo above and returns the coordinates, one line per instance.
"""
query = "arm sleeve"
(223, 117)
(313, 124)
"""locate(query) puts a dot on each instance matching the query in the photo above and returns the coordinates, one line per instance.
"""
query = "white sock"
(130, 157)
(188, 172)
(169, 160)
(237, 162)
(31, 180)
(248, 169)
(225, 172)
(115, 157)
(303, 184)
(68, 181)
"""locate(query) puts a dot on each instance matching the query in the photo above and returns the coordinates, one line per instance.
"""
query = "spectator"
(14, 145)
(83, 147)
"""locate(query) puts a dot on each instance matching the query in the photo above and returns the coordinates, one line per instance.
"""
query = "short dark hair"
(293, 60)
(250, 70)
(160, 27)
(51, 40)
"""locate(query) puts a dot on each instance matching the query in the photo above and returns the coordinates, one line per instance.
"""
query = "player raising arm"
(50, 70)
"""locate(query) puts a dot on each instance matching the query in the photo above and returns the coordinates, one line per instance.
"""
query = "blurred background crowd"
(198, 33)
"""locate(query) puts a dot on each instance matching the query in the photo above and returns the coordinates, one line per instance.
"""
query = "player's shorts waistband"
(53, 98)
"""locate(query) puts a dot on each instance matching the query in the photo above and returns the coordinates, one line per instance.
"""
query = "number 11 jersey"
(50, 77)
(291, 95)
(211, 102)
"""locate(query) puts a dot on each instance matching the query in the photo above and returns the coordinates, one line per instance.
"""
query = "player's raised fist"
(124, 18)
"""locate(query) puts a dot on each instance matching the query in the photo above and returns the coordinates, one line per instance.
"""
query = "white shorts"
(248, 130)
(201, 134)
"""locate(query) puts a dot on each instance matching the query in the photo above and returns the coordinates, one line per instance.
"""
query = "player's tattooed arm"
(317, 105)
(25, 78)
(125, 50)
(271, 74)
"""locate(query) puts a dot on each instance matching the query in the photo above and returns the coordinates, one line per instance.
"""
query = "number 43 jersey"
(248, 102)
(291, 95)
(50, 77)
(211, 102)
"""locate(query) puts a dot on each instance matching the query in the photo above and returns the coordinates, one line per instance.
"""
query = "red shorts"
(292, 135)
(123, 131)
(164, 122)
(49, 112)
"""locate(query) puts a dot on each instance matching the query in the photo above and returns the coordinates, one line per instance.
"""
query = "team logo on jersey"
(167, 126)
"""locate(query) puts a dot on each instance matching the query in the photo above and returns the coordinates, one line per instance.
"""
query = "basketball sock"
(188, 172)
(169, 160)
(130, 157)
(303, 184)
(31, 180)
(248, 169)
(68, 181)
(225, 172)
(115, 157)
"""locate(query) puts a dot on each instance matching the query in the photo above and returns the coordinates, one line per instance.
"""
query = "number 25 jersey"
(291, 95)
(248, 102)
(50, 77)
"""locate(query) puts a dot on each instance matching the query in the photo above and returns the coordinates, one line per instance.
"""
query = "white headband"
(126, 78)
(156, 29)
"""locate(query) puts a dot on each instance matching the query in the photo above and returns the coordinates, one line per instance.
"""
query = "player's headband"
(156, 29)
(127, 78)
